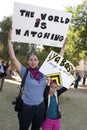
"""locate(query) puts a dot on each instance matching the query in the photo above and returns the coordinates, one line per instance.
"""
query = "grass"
(73, 107)
(74, 110)
(8, 118)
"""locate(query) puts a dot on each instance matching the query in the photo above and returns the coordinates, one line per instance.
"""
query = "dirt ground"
(73, 107)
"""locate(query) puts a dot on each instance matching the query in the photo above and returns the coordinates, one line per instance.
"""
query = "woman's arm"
(14, 60)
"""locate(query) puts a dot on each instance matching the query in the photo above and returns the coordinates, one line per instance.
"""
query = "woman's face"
(33, 61)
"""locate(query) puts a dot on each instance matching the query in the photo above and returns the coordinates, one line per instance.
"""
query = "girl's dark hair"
(32, 53)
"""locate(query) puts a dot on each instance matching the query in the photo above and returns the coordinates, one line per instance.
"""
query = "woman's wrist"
(10, 43)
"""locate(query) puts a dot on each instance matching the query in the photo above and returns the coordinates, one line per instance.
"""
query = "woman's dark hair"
(32, 53)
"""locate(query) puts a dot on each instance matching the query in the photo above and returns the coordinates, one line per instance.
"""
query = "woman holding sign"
(35, 83)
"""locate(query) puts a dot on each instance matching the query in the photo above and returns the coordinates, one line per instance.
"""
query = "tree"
(21, 49)
(4, 25)
(76, 48)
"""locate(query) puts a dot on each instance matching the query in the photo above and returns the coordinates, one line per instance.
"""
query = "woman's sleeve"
(22, 71)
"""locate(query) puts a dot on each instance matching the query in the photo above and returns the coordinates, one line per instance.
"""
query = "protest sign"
(39, 25)
(59, 68)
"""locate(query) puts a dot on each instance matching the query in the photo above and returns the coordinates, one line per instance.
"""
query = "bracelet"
(10, 44)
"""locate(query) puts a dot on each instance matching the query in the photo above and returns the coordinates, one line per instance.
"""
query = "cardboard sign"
(59, 68)
(38, 25)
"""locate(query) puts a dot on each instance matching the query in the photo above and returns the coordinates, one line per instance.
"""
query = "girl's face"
(33, 61)
(53, 88)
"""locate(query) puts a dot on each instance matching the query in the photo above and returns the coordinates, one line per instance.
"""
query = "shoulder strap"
(22, 83)
(23, 80)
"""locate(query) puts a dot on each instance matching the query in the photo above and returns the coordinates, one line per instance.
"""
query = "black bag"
(18, 102)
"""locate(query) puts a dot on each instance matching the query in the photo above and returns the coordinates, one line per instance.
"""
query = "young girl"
(52, 117)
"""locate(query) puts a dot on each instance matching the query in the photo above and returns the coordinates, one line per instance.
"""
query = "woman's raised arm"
(14, 60)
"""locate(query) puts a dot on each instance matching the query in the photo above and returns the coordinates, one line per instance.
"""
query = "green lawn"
(73, 105)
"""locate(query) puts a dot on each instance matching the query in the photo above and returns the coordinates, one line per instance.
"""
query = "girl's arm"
(61, 90)
(14, 60)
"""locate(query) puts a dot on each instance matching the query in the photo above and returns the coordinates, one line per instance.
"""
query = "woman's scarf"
(35, 73)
